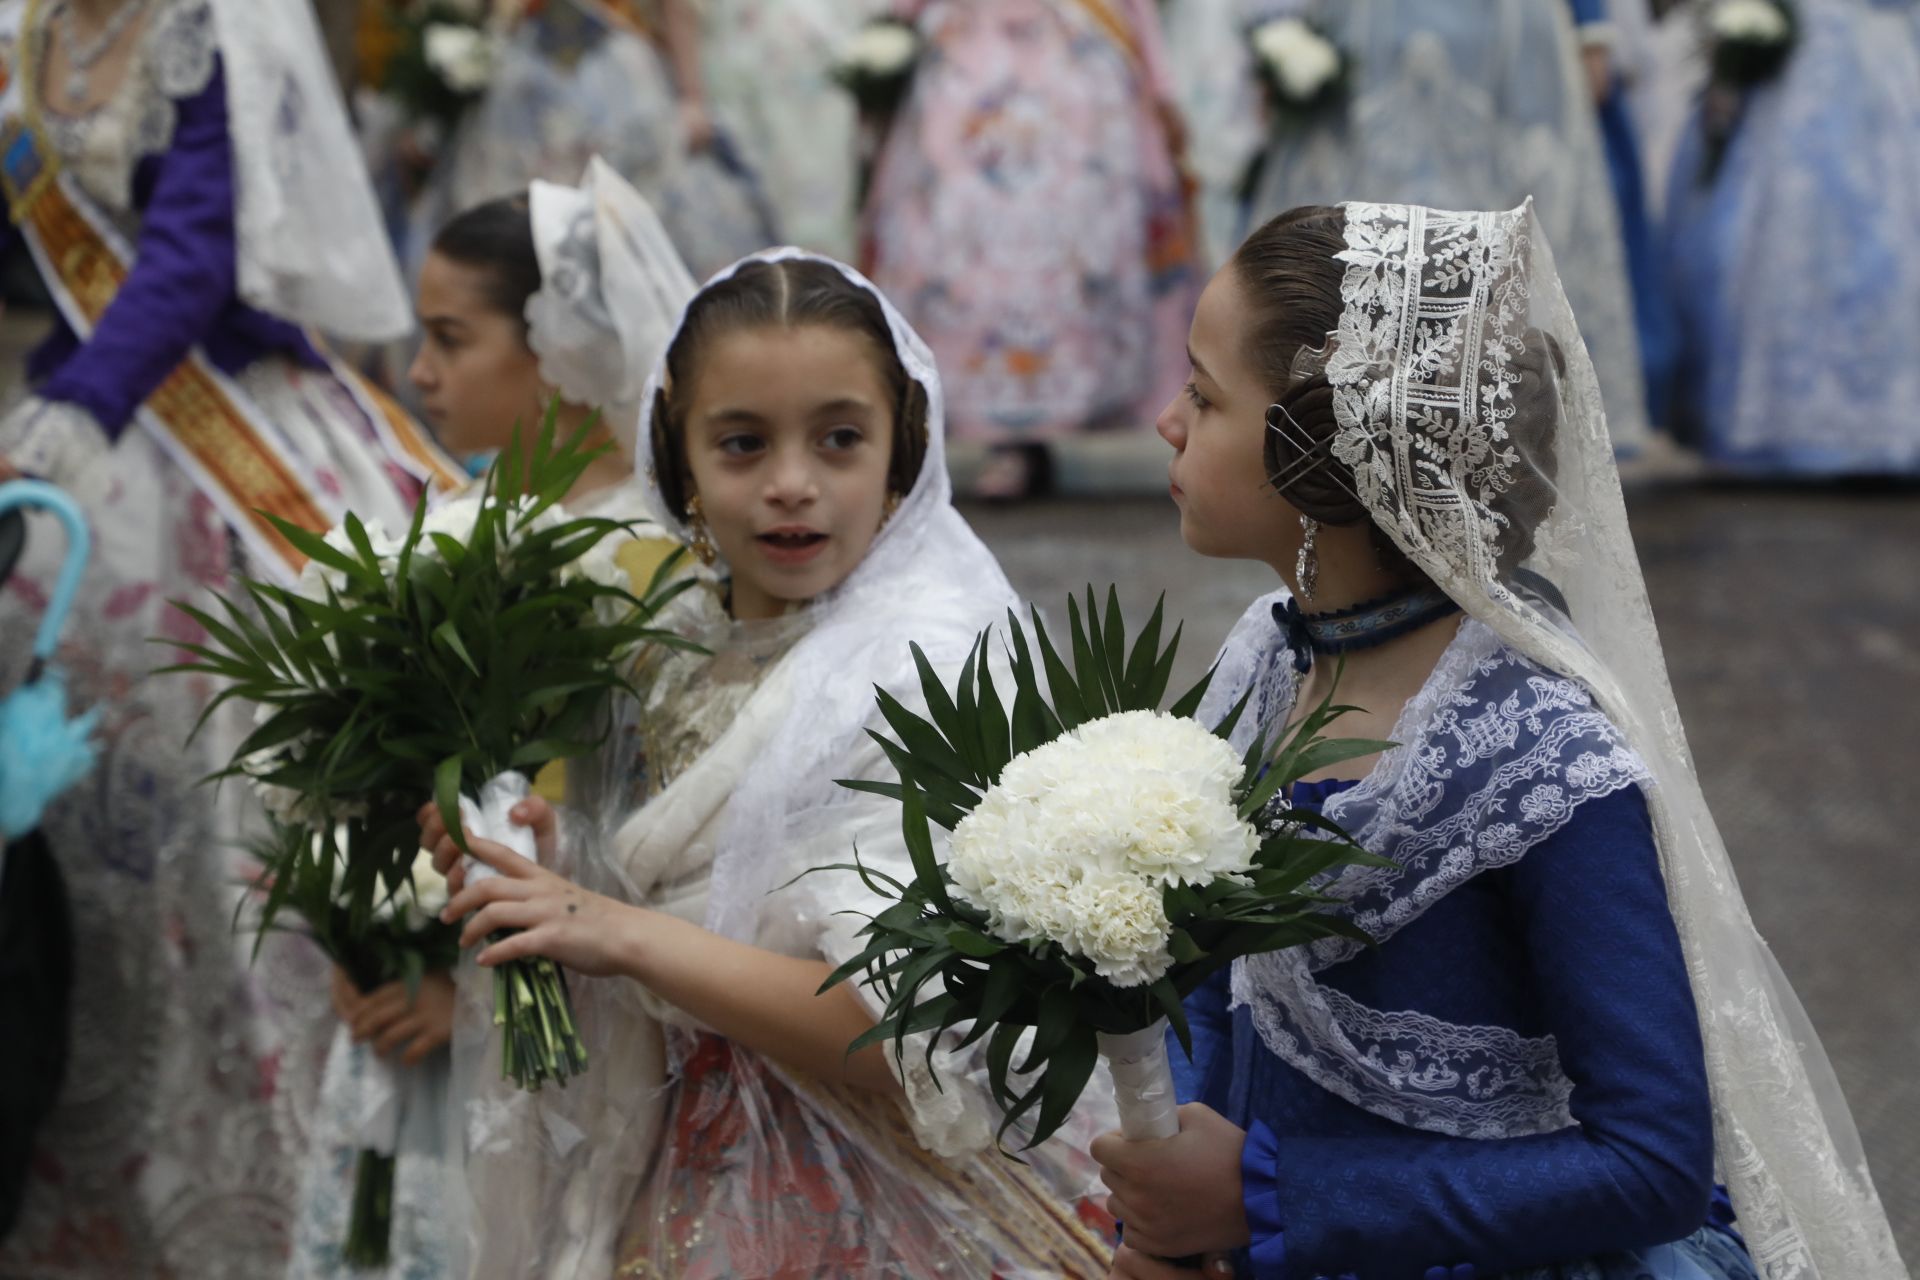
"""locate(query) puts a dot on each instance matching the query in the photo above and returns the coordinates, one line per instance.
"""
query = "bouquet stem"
(1143, 1088)
(1142, 1082)
(370, 1221)
(538, 1041)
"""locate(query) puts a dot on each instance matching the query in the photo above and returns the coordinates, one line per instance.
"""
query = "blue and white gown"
(1795, 264)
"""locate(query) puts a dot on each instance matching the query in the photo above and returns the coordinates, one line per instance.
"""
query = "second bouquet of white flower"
(456, 659)
(1105, 858)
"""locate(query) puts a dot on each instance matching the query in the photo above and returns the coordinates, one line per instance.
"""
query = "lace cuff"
(1260, 1189)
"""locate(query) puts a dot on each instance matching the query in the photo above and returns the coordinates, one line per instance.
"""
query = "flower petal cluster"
(1752, 21)
(1081, 837)
(1303, 61)
(882, 49)
(461, 56)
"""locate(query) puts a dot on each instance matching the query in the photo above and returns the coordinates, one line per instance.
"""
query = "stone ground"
(1792, 631)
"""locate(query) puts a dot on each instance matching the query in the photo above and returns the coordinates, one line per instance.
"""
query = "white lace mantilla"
(103, 147)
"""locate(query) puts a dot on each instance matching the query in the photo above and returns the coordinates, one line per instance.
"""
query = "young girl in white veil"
(722, 1130)
(561, 297)
(1569, 1031)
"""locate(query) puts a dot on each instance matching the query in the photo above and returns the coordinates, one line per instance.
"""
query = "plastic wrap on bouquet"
(533, 1010)
(1143, 1082)
(401, 1118)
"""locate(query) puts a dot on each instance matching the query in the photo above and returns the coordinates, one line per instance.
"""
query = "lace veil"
(312, 247)
(612, 288)
(1468, 412)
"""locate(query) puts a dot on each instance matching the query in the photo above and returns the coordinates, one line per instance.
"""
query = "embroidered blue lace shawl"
(1496, 755)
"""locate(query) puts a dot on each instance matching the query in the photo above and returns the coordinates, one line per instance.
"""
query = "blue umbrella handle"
(35, 493)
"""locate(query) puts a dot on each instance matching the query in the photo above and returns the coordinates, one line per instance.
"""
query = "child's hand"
(533, 812)
(1178, 1196)
(393, 1020)
(548, 915)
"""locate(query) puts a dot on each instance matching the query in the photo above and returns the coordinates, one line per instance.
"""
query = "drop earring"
(699, 541)
(1306, 570)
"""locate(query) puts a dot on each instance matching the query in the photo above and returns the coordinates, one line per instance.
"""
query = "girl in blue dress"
(1569, 1054)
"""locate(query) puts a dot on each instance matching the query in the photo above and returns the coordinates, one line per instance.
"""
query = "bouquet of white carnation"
(443, 59)
(457, 658)
(1749, 44)
(1105, 858)
(1304, 71)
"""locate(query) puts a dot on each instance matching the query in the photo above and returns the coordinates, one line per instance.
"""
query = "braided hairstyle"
(788, 294)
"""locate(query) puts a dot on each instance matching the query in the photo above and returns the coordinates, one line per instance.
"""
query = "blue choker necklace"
(1362, 627)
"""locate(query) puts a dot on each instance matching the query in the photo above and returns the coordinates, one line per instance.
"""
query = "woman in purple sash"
(192, 246)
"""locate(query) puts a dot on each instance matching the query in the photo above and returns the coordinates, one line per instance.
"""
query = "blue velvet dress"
(1575, 941)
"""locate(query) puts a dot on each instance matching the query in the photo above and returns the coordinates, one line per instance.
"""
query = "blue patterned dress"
(1512, 1082)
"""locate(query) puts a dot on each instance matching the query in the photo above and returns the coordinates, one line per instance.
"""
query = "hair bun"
(1299, 455)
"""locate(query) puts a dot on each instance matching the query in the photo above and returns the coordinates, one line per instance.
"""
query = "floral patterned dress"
(194, 1062)
(1029, 215)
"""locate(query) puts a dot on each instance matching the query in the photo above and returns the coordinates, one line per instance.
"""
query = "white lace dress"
(1473, 104)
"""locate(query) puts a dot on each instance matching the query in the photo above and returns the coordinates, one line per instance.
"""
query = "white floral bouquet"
(1303, 70)
(444, 59)
(1105, 858)
(1749, 44)
(876, 66)
(451, 661)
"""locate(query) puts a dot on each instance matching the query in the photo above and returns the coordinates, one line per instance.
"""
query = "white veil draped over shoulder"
(312, 246)
(1468, 413)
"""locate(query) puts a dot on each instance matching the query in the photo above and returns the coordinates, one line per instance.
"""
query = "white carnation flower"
(1302, 60)
(883, 49)
(1757, 21)
(1079, 840)
(460, 56)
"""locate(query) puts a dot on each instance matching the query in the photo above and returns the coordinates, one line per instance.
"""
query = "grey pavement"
(1792, 632)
